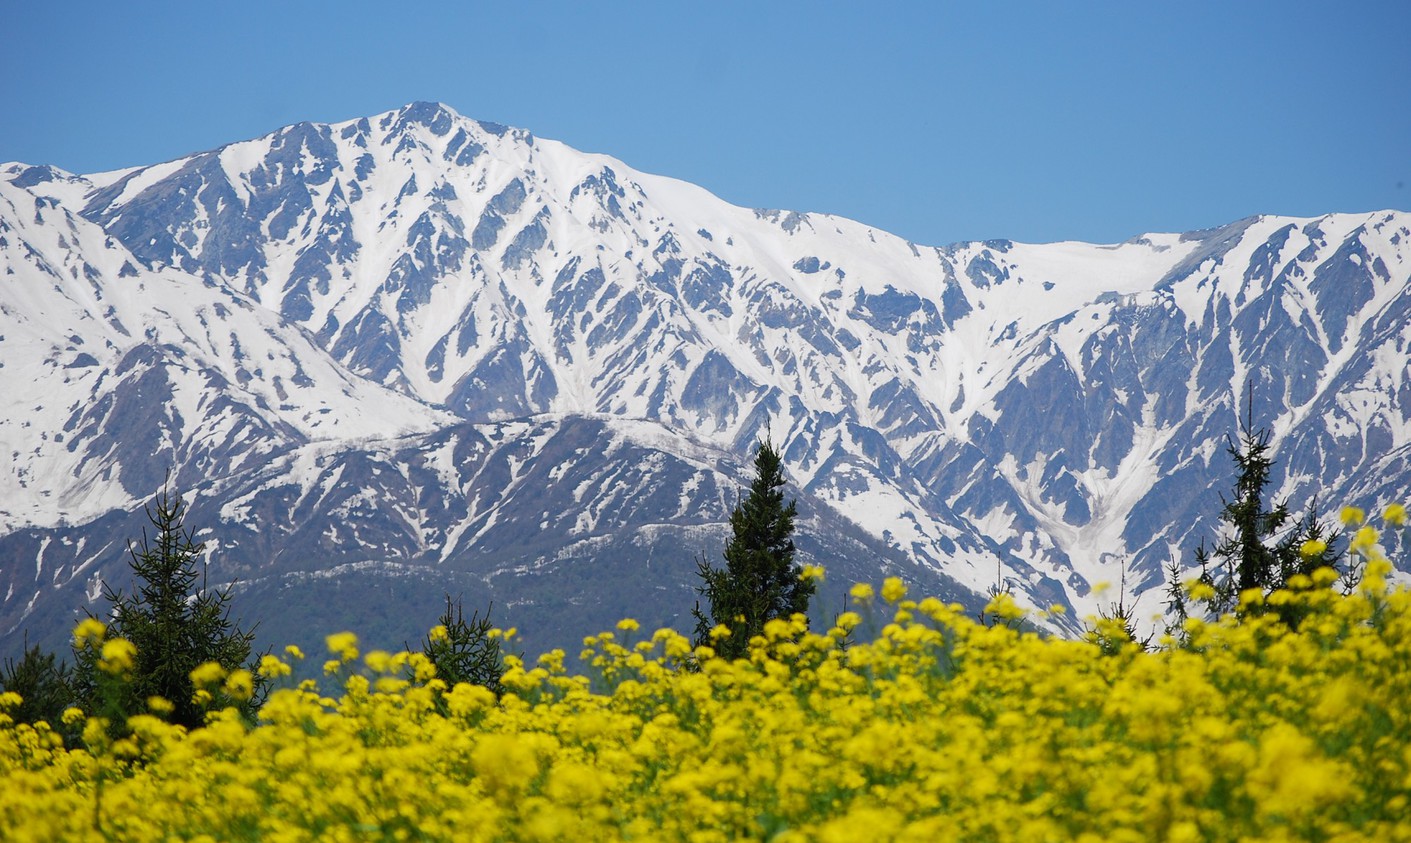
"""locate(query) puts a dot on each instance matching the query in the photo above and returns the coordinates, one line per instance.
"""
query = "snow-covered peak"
(357, 293)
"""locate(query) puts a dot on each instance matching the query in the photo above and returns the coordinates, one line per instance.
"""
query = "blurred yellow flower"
(934, 726)
(378, 661)
(89, 630)
(117, 657)
(272, 667)
(1201, 590)
(1364, 540)
(1313, 547)
(344, 645)
(207, 674)
(240, 684)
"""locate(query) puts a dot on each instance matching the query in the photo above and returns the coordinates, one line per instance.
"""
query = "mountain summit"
(415, 352)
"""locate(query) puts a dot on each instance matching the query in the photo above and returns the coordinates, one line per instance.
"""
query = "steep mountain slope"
(366, 345)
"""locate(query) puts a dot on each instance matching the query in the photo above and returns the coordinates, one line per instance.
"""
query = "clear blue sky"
(937, 121)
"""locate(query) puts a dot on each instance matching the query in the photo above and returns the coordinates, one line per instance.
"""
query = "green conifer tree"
(760, 580)
(1261, 548)
(174, 625)
(464, 651)
(43, 683)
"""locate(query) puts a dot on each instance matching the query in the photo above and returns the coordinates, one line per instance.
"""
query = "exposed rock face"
(421, 350)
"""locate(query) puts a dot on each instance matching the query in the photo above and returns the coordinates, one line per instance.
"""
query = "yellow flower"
(240, 685)
(861, 592)
(1238, 727)
(272, 667)
(89, 630)
(1313, 547)
(10, 699)
(344, 645)
(159, 705)
(1364, 540)
(118, 657)
(893, 589)
(1325, 576)
(1395, 514)
(95, 731)
(504, 762)
(293, 652)
(1200, 590)
(1351, 516)
(1002, 606)
(207, 673)
(628, 625)
(438, 633)
(423, 669)
(812, 573)
(378, 661)
(466, 699)
(71, 715)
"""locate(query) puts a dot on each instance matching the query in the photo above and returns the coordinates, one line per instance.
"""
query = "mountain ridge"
(1053, 409)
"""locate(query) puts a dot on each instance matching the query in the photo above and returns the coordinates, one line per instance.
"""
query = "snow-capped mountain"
(438, 354)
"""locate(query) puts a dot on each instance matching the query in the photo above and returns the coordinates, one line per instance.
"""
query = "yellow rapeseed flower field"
(906, 721)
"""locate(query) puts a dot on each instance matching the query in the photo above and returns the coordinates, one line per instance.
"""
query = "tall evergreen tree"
(1262, 547)
(760, 581)
(464, 651)
(174, 625)
(43, 683)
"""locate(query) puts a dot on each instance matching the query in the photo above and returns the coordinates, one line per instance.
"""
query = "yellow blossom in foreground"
(1201, 590)
(117, 656)
(344, 645)
(1002, 606)
(1395, 515)
(272, 667)
(89, 630)
(1351, 516)
(240, 685)
(1364, 540)
(923, 726)
(207, 674)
